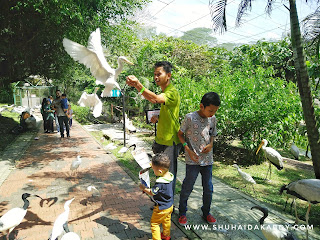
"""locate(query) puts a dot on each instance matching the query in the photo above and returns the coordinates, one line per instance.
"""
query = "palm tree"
(218, 14)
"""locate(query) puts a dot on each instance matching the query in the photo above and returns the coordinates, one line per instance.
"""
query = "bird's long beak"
(38, 196)
(127, 61)
(259, 147)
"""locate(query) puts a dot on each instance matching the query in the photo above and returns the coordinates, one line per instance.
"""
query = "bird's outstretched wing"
(97, 109)
(83, 99)
(92, 57)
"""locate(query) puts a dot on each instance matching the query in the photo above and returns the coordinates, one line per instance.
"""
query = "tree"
(200, 36)
(31, 33)
(218, 13)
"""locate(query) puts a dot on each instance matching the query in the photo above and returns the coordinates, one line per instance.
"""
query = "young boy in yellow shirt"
(163, 195)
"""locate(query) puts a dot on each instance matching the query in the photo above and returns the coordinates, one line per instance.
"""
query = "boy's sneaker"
(183, 220)
(165, 238)
(210, 219)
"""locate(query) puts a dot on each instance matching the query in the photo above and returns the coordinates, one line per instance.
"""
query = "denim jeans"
(192, 172)
(64, 120)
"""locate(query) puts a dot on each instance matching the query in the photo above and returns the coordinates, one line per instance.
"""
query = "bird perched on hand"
(75, 164)
(69, 235)
(306, 190)
(60, 221)
(92, 101)
(272, 231)
(92, 57)
(271, 155)
(14, 216)
(245, 176)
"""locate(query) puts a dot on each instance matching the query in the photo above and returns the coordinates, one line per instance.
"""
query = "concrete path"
(121, 212)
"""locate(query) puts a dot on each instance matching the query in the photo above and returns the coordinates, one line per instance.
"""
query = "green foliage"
(81, 114)
(28, 47)
(200, 36)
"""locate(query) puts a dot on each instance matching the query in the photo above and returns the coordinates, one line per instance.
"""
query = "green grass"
(127, 160)
(268, 192)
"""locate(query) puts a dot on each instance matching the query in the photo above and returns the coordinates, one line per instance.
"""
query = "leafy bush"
(81, 114)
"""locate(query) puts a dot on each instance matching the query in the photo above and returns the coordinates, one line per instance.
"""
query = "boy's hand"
(207, 148)
(194, 157)
(132, 81)
(142, 187)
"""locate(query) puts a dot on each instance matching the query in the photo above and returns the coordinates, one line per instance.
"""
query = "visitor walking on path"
(62, 117)
(197, 133)
(166, 139)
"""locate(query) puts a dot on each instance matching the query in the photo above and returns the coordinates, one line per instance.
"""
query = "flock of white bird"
(14, 217)
(306, 189)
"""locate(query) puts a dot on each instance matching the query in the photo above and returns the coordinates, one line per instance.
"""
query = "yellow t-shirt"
(168, 124)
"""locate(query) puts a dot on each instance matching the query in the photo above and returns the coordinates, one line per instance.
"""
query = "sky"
(174, 17)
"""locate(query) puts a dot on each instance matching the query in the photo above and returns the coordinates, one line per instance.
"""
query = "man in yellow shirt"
(166, 140)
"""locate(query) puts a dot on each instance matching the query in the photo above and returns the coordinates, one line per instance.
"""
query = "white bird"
(14, 216)
(271, 155)
(306, 190)
(92, 101)
(92, 57)
(129, 124)
(75, 164)
(110, 146)
(69, 235)
(272, 231)
(245, 176)
(294, 151)
(125, 149)
(60, 221)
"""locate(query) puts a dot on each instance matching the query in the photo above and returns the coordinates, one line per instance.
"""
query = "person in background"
(64, 102)
(197, 133)
(62, 117)
(50, 117)
(44, 114)
(166, 139)
(70, 115)
(163, 196)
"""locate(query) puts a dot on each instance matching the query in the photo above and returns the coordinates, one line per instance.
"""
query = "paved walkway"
(121, 212)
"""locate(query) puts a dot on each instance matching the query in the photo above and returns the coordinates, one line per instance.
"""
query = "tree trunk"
(304, 88)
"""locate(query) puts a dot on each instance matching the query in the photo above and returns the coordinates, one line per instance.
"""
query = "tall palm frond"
(311, 29)
(311, 26)
(244, 6)
(218, 15)
(269, 7)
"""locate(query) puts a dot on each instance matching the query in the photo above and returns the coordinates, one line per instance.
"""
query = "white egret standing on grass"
(92, 57)
(60, 221)
(75, 164)
(14, 216)
(306, 190)
(92, 101)
(245, 177)
(271, 155)
(272, 231)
